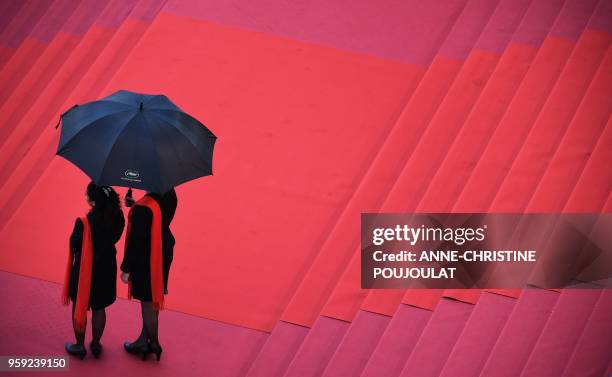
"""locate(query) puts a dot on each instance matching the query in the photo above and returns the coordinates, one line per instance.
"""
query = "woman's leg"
(98, 322)
(79, 335)
(150, 317)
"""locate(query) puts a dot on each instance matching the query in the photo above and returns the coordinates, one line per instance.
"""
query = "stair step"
(397, 342)
(35, 81)
(438, 135)
(464, 152)
(92, 82)
(318, 347)
(356, 347)
(563, 329)
(327, 267)
(278, 351)
(520, 333)
(478, 336)
(33, 46)
(8, 10)
(595, 178)
(437, 339)
(592, 350)
(22, 135)
(20, 26)
(575, 147)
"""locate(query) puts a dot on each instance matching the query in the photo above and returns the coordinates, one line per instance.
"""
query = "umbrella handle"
(129, 200)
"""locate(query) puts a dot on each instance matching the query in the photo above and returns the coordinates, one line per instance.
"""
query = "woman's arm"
(140, 225)
(76, 238)
(118, 226)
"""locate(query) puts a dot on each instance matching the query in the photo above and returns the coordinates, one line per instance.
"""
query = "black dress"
(104, 235)
(137, 257)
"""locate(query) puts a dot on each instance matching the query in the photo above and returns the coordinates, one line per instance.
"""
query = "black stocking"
(149, 319)
(98, 321)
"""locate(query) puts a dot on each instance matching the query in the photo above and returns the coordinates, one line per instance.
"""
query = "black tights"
(149, 323)
(98, 322)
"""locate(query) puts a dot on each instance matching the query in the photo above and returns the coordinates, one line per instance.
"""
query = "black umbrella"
(136, 140)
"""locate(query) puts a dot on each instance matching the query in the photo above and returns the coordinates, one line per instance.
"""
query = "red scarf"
(157, 274)
(84, 285)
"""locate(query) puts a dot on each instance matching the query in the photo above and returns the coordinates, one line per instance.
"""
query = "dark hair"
(108, 205)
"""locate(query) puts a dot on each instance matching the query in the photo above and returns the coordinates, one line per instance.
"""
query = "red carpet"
(324, 110)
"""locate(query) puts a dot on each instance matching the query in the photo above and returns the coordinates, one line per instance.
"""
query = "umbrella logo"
(131, 175)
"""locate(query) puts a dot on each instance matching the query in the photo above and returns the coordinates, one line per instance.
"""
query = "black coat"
(137, 256)
(104, 235)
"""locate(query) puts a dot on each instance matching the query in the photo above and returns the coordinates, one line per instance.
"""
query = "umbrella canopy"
(136, 140)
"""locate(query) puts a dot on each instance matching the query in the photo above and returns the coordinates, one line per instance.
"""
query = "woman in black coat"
(106, 223)
(136, 266)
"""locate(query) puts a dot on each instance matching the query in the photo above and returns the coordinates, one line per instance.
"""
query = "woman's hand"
(125, 277)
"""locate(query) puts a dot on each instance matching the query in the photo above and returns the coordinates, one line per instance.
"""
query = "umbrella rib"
(87, 126)
(186, 114)
(182, 133)
(113, 146)
(188, 138)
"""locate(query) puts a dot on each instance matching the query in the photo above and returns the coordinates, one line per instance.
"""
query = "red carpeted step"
(272, 369)
(278, 351)
(340, 244)
(90, 86)
(328, 264)
(592, 351)
(8, 10)
(406, 31)
(437, 339)
(514, 361)
(594, 182)
(471, 351)
(464, 151)
(478, 336)
(97, 76)
(579, 140)
(20, 26)
(563, 329)
(353, 352)
(519, 334)
(556, 116)
(35, 81)
(32, 47)
(35, 323)
(437, 137)
(592, 112)
(397, 342)
(318, 348)
(466, 359)
(585, 126)
(39, 117)
(482, 185)
(551, 122)
(56, 54)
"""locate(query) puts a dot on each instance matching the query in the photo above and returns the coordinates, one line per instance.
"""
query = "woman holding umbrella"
(146, 142)
(146, 263)
(91, 273)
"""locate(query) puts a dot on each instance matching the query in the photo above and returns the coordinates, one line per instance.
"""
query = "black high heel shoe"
(135, 348)
(76, 350)
(156, 349)
(96, 349)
